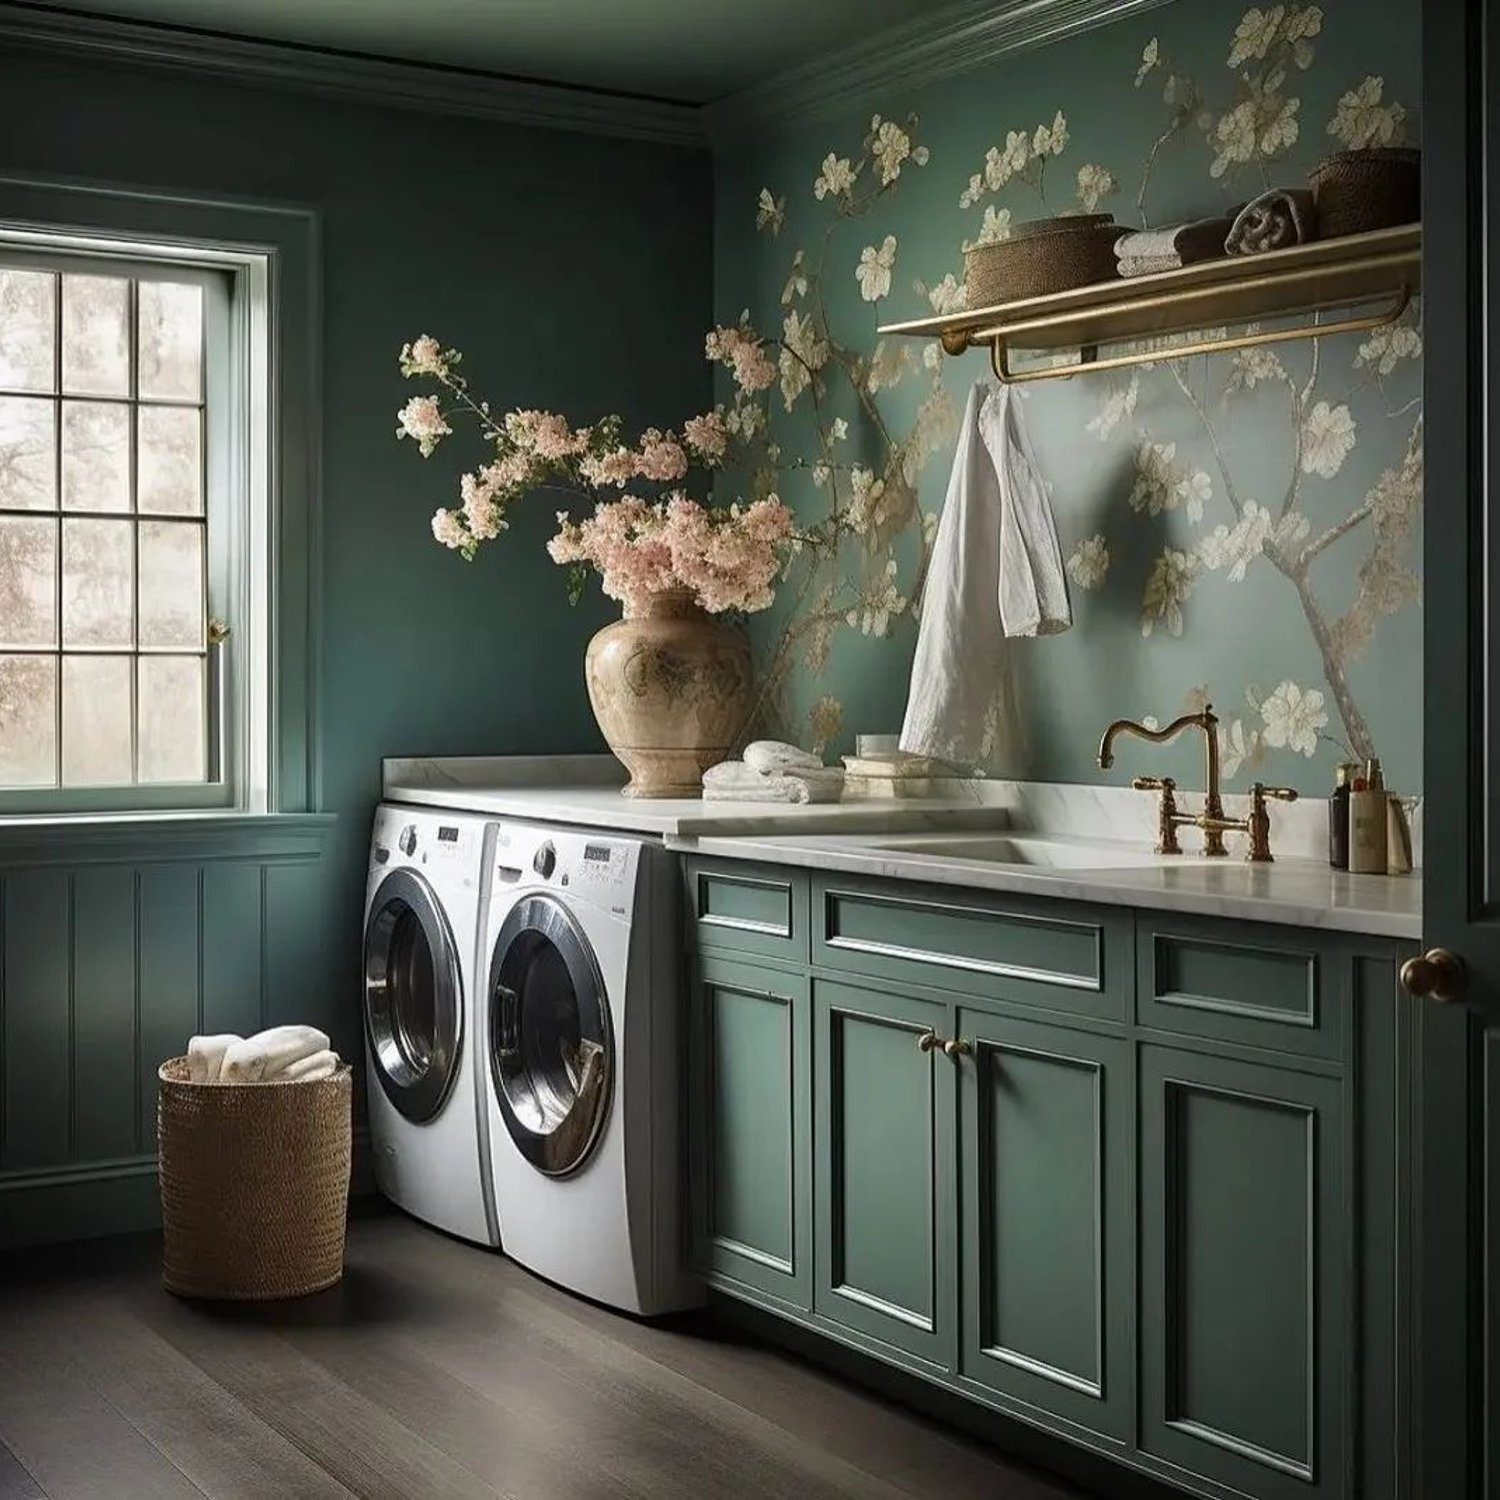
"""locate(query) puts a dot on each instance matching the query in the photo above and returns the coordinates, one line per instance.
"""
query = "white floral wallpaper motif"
(1242, 527)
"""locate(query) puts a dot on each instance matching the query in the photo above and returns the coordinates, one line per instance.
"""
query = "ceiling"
(690, 51)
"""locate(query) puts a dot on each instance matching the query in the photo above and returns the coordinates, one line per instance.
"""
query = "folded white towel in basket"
(322, 1064)
(205, 1055)
(267, 1054)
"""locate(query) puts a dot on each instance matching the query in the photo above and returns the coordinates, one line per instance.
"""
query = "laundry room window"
(131, 540)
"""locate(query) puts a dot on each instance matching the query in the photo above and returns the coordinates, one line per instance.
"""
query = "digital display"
(447, 835)
(597, 854)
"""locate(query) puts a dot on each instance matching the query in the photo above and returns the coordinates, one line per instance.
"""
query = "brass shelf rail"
(1380, 271)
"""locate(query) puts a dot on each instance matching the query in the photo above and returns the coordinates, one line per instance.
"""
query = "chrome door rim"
(570, 1140)
(417, 1090)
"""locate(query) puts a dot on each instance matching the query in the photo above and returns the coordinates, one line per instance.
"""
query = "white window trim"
(272, 252)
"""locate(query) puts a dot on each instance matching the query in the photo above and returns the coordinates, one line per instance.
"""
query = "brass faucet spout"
(1208, 722)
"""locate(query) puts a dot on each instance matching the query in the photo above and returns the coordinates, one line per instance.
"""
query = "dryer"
(580, 1017)
(427, 880)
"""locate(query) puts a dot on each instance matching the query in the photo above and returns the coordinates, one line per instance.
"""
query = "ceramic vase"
(671, 689)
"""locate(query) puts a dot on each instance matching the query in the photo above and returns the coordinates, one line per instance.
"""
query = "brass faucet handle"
(1154, 784)
(1259, 820)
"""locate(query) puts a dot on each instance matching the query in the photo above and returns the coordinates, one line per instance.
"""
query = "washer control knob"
(408, 840)
(545, 860)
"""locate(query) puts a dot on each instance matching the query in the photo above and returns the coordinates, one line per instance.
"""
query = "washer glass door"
(413, 995)
(551, 1044)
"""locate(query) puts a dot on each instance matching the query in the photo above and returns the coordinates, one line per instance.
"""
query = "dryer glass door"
(413, 995)
(551, 1044)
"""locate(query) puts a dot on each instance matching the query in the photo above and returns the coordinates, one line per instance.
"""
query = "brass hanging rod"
(1088, 362)
(1337, 275)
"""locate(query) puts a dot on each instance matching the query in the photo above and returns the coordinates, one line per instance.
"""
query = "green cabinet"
(1139, 1179)
(750, 1128)
(883, 1174)
(1047, 1218)
(1244, 1280)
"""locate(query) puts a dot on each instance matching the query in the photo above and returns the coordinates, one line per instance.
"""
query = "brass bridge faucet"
(1211, 820)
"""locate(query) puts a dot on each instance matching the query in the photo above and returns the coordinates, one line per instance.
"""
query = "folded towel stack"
(1147, 251)
(773, 772)
(282, 1053)
(1276, 219)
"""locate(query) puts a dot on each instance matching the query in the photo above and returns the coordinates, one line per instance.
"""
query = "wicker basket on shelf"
(254, 1184)
(1374, 188)
(1043, 256)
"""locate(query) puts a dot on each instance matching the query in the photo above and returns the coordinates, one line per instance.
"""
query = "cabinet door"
(1047, 1218)
(884, 1171)
(750, 1136)
(1244, 1279)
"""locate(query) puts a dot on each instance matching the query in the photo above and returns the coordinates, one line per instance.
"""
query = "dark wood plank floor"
(435, 1370)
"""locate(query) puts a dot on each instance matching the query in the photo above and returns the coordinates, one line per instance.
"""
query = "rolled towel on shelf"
(1275, 220)
(205, 1055)
(264, 1056)
(1148, 265)
(1176, 245)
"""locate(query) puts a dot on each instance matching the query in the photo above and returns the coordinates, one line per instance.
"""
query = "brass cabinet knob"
(1436, 975)
(929, 1041)
(957, 1047)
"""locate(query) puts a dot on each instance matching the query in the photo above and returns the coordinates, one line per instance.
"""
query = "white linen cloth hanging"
(996, 571)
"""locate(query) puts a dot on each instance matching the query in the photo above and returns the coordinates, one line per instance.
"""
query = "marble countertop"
(585, 790)
(1303, 892)
(1100, 837)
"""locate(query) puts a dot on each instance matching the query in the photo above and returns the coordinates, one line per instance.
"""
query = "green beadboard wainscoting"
(1186, 494)
(575, 271)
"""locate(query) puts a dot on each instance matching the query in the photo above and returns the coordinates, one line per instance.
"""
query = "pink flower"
(661, 457)
(422, 419)
(544, 433)
(449, 530)
(424, 356)
(707, 436)
(740, 348)
(617, 467)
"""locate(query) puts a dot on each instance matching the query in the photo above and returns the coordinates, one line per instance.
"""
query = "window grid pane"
(104, 674)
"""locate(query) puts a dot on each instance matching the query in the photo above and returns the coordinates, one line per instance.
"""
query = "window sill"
(83, 838)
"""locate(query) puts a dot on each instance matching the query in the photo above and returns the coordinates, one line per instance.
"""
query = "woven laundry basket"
(254, 1184)
(1043, 256)
(1374, 188)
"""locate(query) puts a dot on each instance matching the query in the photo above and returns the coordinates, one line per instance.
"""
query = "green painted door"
(885, 1172)
(1245, 1296)
(1046, 1227)
(750, 1129)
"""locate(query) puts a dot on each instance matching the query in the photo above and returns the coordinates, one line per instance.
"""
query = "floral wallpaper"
(1237, 528)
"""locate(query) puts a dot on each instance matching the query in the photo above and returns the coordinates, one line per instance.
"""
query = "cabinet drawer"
(1267, 986)
(1044, 953)
(747, 908)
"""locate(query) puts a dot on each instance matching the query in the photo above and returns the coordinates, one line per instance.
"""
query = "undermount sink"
(1017, 849)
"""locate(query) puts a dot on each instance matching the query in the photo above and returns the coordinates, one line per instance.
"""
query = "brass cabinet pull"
(1436, 975)
(957, 1048)
(929, 1041)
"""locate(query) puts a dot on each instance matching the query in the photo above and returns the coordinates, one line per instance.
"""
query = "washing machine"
(423, 905)
(581, 1005)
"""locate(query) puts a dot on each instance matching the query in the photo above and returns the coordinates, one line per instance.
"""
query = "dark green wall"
(575, 273)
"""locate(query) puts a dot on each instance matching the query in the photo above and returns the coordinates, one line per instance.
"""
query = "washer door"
(551, 1044)
(413, 995)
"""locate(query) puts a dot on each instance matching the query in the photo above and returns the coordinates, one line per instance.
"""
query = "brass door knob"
(1436, 975)
(929, 1041)
(957, 1047)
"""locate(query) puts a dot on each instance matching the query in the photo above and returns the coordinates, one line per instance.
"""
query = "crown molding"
(345, 75)
(954, 39)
